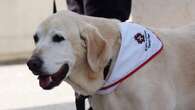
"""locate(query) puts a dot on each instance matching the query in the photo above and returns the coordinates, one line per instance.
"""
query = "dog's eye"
(36, 38)
(57, 38)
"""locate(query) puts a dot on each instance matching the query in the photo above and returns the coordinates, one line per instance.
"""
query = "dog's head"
(67, 48)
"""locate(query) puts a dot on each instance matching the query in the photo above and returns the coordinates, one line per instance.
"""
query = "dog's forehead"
(57, 23)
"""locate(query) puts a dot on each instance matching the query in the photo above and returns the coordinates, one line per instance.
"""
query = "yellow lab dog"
(78, 49)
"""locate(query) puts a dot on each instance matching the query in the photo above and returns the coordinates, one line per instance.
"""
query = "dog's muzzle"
(47, 81)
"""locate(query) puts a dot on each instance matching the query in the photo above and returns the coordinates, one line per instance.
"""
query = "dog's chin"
(48, 82)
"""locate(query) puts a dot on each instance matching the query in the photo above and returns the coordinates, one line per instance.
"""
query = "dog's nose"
(35, 64)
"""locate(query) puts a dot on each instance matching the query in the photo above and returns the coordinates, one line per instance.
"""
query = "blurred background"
(18, 21)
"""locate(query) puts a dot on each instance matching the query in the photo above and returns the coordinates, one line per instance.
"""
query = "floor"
(20, 91)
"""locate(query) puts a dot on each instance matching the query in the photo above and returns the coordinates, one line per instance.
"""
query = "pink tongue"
(45, 81)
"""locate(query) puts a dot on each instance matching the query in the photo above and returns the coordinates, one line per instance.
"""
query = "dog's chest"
(138, 46)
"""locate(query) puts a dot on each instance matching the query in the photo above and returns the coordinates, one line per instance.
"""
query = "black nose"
(35, 64)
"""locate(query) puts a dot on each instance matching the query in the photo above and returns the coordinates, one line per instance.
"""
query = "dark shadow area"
(63, 106)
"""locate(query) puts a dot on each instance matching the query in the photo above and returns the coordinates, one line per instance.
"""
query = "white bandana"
(138, 46)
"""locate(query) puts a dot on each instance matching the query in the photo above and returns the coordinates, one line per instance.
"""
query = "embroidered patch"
(139, 38)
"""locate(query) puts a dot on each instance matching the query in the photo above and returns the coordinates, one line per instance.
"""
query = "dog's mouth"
(48, 82)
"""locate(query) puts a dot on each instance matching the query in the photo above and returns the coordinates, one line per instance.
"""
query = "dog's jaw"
(48, 82)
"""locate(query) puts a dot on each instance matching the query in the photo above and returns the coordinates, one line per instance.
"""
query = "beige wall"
(18, 21)
(164, 13)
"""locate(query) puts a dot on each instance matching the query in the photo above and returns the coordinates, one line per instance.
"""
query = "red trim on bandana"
(132, 72)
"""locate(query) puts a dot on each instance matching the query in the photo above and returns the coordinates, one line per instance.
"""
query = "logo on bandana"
(139, 38)
(143, 38)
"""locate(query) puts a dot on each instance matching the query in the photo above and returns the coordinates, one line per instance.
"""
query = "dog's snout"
(35, 64)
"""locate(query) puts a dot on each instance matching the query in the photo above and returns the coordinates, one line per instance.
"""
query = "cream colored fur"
(165, 83)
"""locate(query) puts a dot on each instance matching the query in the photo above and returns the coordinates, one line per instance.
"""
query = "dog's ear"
(98, 50)
(54, 7)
